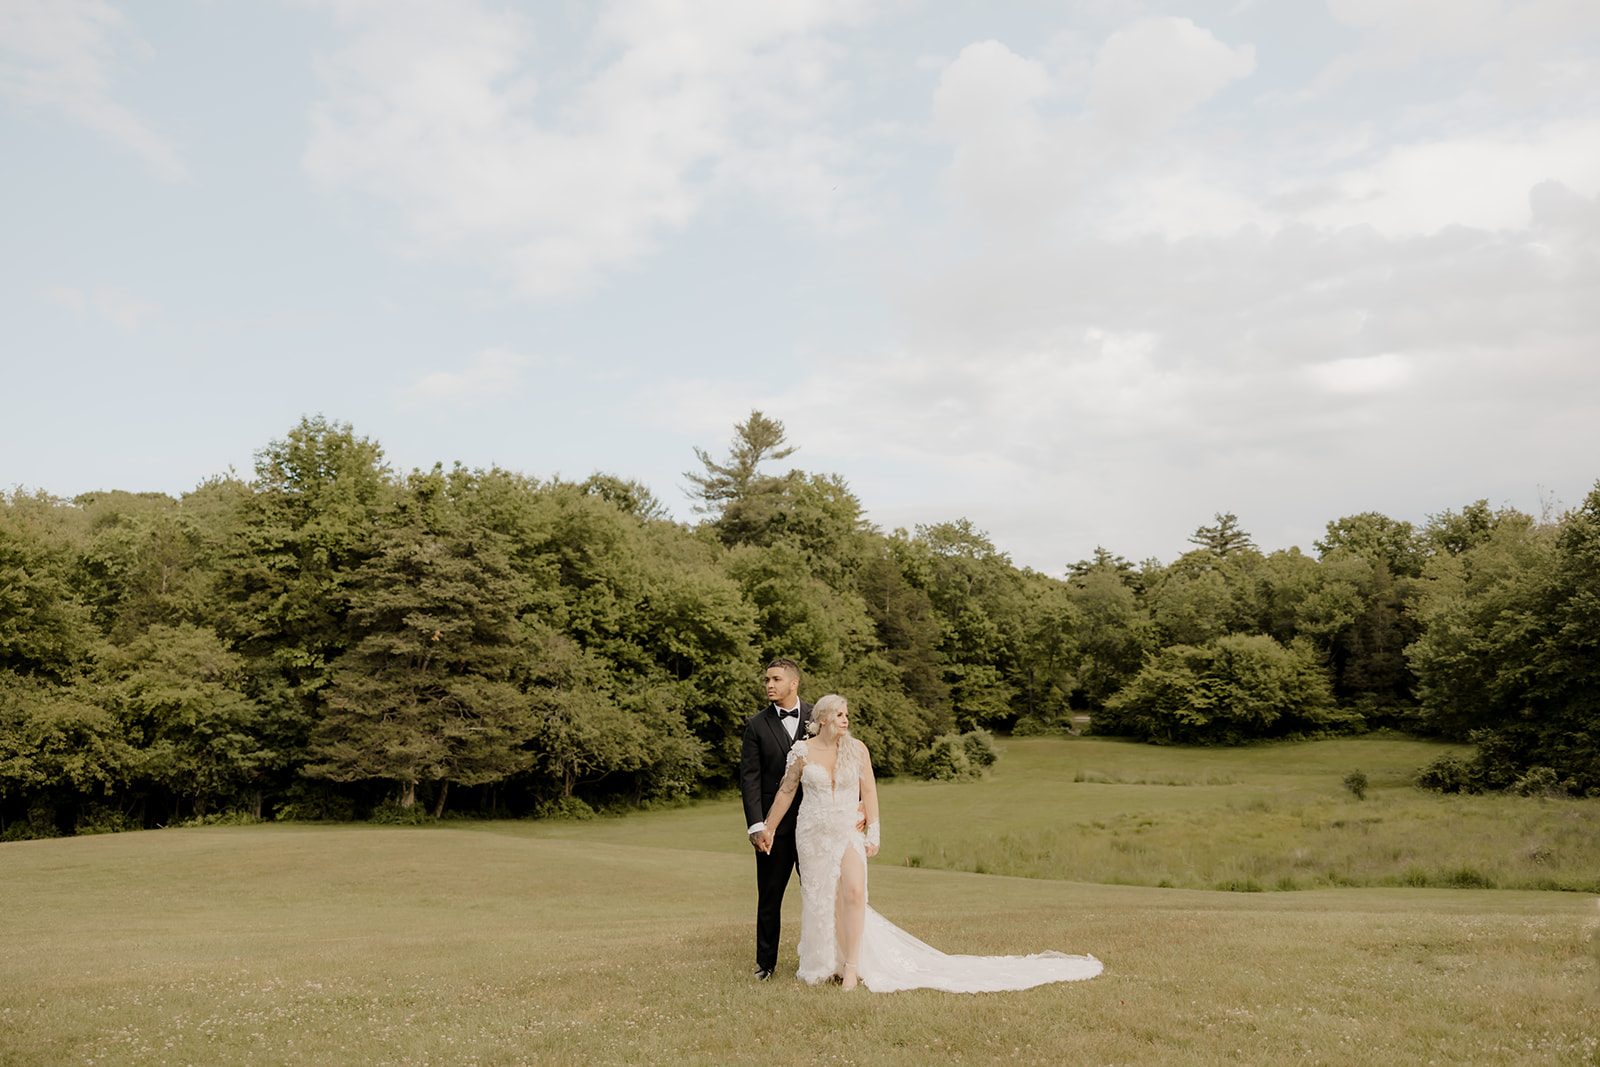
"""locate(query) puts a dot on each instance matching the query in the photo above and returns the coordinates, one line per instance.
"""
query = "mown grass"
(354, 946)
(629, 940)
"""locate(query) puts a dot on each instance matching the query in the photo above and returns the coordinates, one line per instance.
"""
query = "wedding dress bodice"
(829, 799)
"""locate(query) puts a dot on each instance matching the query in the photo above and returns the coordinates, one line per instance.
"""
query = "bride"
(840, 936)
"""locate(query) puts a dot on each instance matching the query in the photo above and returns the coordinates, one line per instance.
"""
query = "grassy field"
(628, 941)
(1267, 817)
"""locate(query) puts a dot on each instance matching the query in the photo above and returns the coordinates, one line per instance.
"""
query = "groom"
(768, 737)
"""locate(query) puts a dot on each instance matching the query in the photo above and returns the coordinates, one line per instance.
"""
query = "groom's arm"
(750, 778)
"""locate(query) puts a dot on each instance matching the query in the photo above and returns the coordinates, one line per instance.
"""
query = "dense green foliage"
(332, 638)
(1510, 651)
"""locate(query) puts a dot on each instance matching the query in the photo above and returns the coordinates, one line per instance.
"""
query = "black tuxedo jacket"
(762, 762)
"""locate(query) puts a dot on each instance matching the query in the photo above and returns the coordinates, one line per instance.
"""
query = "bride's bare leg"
(850, 913)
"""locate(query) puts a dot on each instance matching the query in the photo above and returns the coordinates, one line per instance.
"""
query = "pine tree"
(1223, 539)
(755, 440)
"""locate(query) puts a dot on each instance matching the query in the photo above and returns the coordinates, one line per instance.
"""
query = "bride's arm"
(869, 800)
(781, 802)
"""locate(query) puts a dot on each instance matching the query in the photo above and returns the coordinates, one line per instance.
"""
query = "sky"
(1085, 274)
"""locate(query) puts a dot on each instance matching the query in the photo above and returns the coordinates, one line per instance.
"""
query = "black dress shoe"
(763, 973)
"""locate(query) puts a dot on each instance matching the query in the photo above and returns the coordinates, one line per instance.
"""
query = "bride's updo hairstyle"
(822, 712)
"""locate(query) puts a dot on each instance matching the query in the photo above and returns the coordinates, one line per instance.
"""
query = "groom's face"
(782, 686)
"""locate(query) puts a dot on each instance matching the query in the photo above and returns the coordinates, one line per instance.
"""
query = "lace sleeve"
(791, 771)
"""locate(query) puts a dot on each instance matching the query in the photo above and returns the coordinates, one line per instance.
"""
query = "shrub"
(1501, 759)
(1494, 768)
(1356, 782)
(389, 813)
(1468, 878)
(979, 745)
(565, 808)
(1239, 885)
(298, 811)
(40, 822)
(1449, 774)
(220, 818)
(952, 757)
(307, 802)
(1542, 782)
(100, 819)
(945, 760)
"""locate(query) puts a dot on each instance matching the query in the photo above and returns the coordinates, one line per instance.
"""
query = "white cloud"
(1187, 200)
(66, 298)
(58, 54)
(987, 85)
(1149, 73)
(1481, 180)
(1008, 164)
(1400, 29)
(124, 310)
(441, 109)
(1017, 162)
(1124, 166)
(1557, 206)
(491, 375)
(1362, 374)
(1157, 380)
(1238, 301)
(1533, 50)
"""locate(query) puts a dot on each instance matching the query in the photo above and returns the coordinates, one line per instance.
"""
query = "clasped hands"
(762, 840)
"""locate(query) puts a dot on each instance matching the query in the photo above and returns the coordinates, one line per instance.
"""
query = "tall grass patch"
(1481, 842)
(1272, 817)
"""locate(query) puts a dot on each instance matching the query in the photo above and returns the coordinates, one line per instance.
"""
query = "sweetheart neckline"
(833, 784)
(833, 781)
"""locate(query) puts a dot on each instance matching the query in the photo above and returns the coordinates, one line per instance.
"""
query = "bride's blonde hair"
(823, 711)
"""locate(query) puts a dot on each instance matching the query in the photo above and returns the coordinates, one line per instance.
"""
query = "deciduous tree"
(1238, 688)
(425, 691)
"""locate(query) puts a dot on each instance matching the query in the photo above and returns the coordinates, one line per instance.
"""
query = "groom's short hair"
(787, 664)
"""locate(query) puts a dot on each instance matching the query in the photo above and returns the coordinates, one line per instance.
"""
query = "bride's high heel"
(850, 979)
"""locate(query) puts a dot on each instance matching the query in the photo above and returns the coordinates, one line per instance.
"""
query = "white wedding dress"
(890, 959)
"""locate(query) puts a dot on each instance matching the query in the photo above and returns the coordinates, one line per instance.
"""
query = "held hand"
(755, 840)
(765, 844)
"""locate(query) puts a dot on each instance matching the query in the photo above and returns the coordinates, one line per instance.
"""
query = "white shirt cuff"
(755, 828)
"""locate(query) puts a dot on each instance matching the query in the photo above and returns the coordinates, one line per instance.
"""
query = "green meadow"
(1402, 928)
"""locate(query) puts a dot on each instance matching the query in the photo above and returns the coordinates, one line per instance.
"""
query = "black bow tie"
(795, 714)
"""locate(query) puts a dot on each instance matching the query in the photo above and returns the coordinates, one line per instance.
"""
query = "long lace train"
(890, 959)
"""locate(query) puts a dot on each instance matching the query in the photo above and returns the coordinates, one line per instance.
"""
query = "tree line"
(332, 639)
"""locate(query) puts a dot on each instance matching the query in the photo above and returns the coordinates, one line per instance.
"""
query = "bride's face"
(841, 719)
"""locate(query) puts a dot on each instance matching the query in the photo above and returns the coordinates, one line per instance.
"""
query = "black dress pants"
(772, 878)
